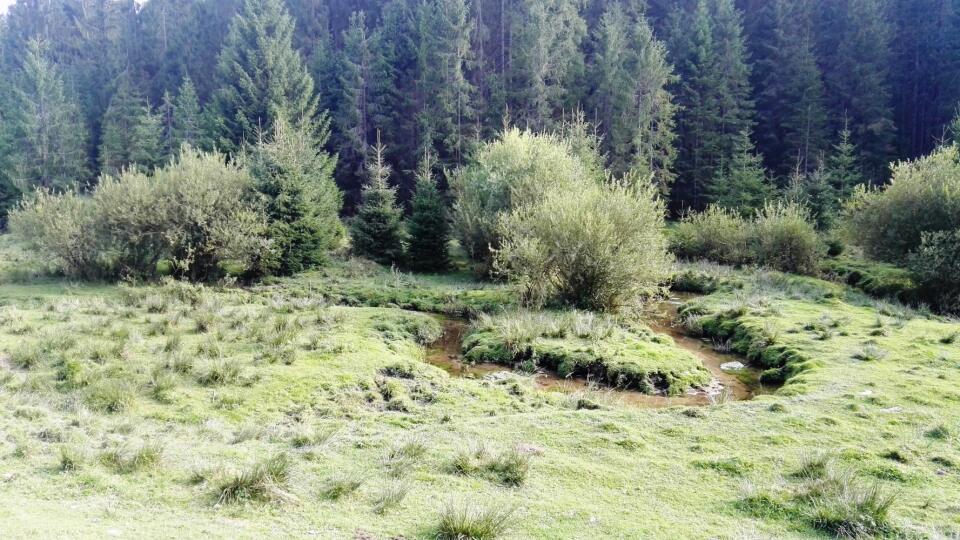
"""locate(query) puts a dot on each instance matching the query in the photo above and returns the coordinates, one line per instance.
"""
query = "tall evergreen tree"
(130, 132)
(447, 115)
(630, 74)
(815, 191)
(49, 137)
(188, 122)
(843, 166)
(428, 227)
(546, 61)
(377, 230)
(792, 120)
(742, 184)
(303, 202)
(713, 93)
(262, 77)
(857, 81)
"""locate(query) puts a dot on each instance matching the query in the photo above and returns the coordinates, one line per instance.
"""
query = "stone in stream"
(732, 366)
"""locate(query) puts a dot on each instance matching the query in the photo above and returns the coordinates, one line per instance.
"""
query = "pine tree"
(447, 111)
(302, 200)
(742, 184)
(428, 227)
(790, 103)
(262, 77)
(131, 133)
(377, 230)
(843, 167)
(188, 118)
(48, 136)
(546, 61)
(630, 74)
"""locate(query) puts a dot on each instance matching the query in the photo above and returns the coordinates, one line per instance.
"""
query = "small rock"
(732, 366)
(893, 410)
(114, 532)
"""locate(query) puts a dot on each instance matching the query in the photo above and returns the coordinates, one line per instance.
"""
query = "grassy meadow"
(302, 407)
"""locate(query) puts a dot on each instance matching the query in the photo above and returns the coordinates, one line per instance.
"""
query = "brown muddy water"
(727, 384)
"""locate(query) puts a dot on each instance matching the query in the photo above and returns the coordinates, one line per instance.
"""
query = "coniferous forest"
(681, 89)
(480, 269)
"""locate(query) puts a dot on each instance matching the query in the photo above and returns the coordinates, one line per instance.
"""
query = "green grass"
(123, 368)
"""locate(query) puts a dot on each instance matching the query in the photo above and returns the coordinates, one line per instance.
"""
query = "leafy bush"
(923, 197)
(716, 234)
(786, 239)
(517, 169)
(195, 213)
(937, 265)
(601, 249)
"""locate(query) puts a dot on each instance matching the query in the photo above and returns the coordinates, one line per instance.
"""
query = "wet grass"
(124, 403)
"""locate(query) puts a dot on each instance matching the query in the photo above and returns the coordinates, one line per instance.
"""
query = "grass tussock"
(468, 520)
(824, 497)
(129, 458)
(509, 467)
(390, 496)
(264, 481)
(341, 485)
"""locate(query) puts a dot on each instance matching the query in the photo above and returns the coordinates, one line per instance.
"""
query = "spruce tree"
(742, 184)
(858, 85)
(188, 122)
(261, 75)
(733, 82)
(168, 142)
(815, 191)
(130, 132)
(843, 167)
(48, 136)
(699, 129)
(302, 200)
(377, 230)
(546, 61)
(428, 227)
(636, 112)
(790, 102)
(447, 115)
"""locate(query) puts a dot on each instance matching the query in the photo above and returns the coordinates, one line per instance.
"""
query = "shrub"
(786, 240)
(461, 520)
(601, 249)
(923, 197)
(716, 234)
(195, 213)
(517, 169)
(936, 264)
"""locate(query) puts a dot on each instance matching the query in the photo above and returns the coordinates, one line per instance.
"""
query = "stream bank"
(727, 384)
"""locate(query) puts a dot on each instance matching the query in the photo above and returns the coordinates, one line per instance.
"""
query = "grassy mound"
(582, 344)
(874, 278)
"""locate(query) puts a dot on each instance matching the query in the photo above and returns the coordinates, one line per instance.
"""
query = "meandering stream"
(727, 384)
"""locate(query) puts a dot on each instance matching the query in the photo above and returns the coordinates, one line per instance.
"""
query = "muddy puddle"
(727, 385)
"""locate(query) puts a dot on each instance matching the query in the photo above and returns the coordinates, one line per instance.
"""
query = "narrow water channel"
(728, 384)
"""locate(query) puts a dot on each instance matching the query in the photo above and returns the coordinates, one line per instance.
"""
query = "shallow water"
(727, 385)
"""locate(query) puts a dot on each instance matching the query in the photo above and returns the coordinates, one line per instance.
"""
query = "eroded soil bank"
(727, 384)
